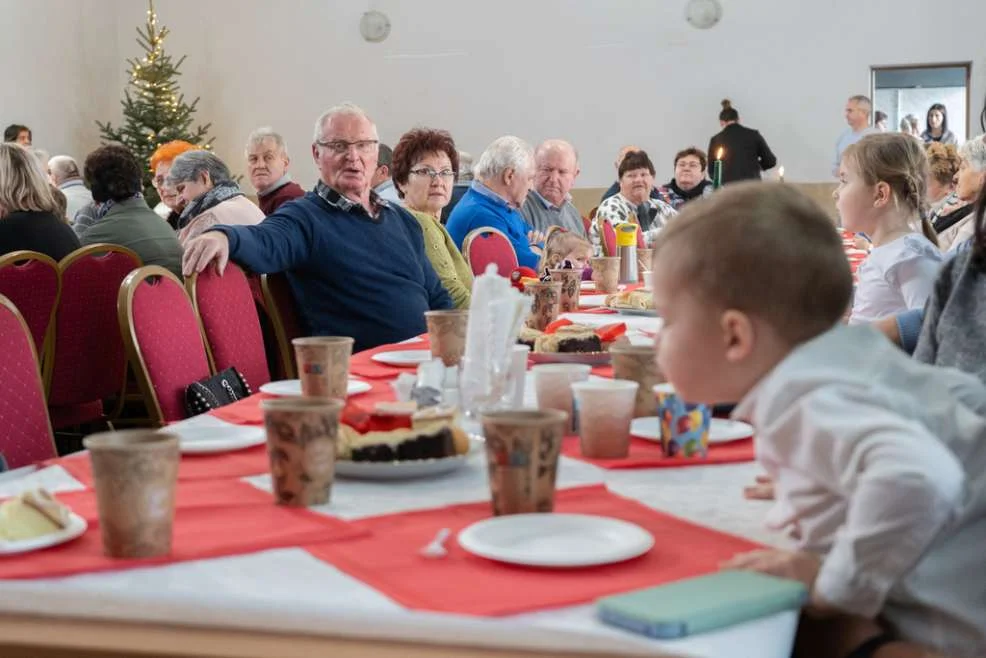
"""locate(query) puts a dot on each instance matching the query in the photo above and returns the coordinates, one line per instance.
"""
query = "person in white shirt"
(879, 461)
(882, 192)
(858, 110)
(64, 174)
(381, 182)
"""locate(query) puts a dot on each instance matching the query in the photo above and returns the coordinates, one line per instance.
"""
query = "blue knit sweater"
(351, 274)
(478, 210)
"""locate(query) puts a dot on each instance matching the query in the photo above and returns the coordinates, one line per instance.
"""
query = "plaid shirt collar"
(344, 204)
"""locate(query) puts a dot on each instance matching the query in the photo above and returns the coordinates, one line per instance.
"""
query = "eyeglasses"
(444, 174)
(341, 147)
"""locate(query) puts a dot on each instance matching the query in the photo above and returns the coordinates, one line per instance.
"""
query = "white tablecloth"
(289, 590)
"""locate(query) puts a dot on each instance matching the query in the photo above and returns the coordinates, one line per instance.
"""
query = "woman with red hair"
(171, 203)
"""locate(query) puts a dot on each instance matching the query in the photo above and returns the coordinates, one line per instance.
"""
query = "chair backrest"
(31, 281)
(280, 304)
(87, 359)
(486, 245)
(226, 308)
(607, 237)
(163, 340)
(26, 437)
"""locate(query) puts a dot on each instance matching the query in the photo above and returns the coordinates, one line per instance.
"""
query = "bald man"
(615, 187)
(549, 203)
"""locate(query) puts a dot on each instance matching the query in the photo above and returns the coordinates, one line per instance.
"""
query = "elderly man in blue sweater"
(505, 174)
(356, 263)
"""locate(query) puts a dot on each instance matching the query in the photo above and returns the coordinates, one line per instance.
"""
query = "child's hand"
(794, 565)
(762, 490)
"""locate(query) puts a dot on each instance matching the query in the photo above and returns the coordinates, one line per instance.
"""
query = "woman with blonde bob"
(30, 216)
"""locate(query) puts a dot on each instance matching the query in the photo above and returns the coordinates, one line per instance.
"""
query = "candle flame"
(781, 172)
(719, 153)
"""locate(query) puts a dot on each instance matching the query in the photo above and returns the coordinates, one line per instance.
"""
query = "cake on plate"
(565, 336)
(32, 514)
(634, 299)
(398, 432)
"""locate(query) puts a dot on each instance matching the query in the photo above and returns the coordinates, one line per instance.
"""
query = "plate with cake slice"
(384, 445)
(35, 520)
(632, 302)
(565, 341)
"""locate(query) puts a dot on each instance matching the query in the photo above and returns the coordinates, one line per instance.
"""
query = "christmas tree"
(154, 109)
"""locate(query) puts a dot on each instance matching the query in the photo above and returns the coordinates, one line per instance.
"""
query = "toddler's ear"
(738, 335)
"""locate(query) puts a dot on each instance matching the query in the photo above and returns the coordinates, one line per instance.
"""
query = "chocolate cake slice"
(571, 338)
(403, 445)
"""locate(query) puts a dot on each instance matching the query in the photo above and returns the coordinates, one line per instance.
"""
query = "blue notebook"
(697, 605)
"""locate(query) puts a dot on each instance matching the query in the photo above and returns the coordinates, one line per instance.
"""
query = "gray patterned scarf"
(219, 193)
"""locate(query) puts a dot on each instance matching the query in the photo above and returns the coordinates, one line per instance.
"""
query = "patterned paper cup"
(323, 365)
(684, 426)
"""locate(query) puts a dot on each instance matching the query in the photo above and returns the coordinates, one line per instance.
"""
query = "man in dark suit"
(744, 151)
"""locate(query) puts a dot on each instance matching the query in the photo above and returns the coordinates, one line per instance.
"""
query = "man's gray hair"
(258, 136)
(63, 168)
(504, 153)
(974, 152)
(863, 101)
(344, 109)
(190, 165)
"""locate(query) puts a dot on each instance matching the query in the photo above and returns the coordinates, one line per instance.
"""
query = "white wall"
(601, 74)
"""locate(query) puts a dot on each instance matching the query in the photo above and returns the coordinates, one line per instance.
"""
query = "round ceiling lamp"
(374, 26)
(703, 14)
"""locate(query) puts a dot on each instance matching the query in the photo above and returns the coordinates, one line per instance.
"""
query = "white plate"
(646, 312)
(405, 470)
(403, 358)
(720, 431)
(556, 540)
(589, 358)
(75, 528)
(292, 387)
(206, 440)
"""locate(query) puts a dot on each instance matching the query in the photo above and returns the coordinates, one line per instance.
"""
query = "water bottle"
(626, 244)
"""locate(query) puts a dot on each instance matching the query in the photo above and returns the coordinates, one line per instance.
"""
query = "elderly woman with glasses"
(424, 168)
(211, 195)
(171, 204)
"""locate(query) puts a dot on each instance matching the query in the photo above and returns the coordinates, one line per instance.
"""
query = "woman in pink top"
(211, 195)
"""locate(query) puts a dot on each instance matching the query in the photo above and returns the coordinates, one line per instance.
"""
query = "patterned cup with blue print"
(684, 426)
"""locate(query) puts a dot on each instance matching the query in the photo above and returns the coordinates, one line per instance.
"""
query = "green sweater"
(446, 259)
(133, 225)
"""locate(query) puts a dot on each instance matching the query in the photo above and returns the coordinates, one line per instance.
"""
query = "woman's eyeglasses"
(444, 174)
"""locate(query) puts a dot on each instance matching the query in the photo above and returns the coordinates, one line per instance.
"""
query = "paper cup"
(684, 426)
(644, 259)
(517, 377)
(323, 365)
(447, 334)
(571, 285)
(301, 443)
(604, 411)
(638, 363)
(134, 473)
(553, 386)
(545, 305)
(522, 449)
(606, 273)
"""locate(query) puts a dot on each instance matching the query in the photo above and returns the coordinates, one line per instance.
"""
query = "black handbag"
(223, 388)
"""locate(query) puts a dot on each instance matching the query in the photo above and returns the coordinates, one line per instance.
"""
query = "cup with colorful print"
(323, 365)
(606, 273)
(546, 303)
(301, 443)
(447, 334)
(571, 285)
(684, 426)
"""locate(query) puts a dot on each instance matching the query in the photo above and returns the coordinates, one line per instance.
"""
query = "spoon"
(436, 548)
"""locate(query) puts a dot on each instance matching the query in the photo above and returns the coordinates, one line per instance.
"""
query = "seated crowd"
(875, 457)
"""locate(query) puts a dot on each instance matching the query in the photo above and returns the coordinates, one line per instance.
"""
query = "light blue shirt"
(846, 140)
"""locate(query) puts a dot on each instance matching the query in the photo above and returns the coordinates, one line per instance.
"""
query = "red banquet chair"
(607, 236)
(26, 437)
(87, 363)
(486, 245)
(228, 312)
(31, 281)
(163, 339)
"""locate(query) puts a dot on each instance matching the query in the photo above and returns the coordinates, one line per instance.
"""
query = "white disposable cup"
(553, 386)
(516, 376)
(605, 411)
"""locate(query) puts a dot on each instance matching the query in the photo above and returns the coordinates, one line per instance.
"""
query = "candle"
(780, 174)
(717, 170)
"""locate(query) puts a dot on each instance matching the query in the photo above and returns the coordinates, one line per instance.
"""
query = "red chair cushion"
(229, 317)
(167, 334)
(33, 288)
(489, 248)
(26, 435)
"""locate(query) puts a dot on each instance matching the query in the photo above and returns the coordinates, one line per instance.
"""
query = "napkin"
(496, 313)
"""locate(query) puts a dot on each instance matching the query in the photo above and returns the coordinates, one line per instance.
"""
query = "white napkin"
(496, 313)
